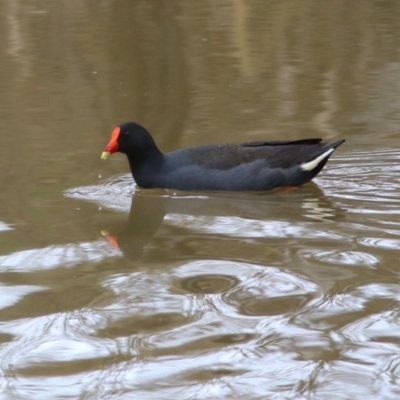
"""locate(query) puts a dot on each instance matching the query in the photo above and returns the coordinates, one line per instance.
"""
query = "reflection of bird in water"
(148, 211)
(145, 217)
(256, 166)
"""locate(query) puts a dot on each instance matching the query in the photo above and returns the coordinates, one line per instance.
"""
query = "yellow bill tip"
(105, 155)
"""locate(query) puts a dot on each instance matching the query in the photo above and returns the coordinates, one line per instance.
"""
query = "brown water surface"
(108, 291)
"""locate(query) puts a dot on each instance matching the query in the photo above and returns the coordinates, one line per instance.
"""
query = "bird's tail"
(317, 160)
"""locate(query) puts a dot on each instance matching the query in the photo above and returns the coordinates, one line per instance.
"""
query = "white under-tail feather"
(309, 166)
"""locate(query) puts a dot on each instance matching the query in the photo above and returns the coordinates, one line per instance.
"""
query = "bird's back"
(276, 154)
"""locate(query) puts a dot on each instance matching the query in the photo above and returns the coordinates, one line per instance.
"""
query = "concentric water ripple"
(341, 257)
(380, 243)
(115, 192)
(368, 177)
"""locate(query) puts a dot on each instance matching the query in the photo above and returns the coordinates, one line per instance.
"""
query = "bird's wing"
(276, 154)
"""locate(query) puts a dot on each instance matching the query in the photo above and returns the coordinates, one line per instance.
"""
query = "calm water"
(108, 291)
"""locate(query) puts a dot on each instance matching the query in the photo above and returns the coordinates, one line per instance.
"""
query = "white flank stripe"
(312, 164)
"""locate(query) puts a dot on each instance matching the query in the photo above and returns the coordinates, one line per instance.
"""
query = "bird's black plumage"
(235, 167)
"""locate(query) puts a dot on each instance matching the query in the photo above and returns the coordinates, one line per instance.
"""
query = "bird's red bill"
(112, 146)
(112, 239)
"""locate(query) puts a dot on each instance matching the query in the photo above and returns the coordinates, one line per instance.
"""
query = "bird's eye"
(126, 133)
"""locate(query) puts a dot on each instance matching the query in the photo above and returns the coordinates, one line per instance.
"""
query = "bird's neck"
(143, 165)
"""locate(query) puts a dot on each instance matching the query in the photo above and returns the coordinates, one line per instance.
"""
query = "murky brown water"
(283, 295)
